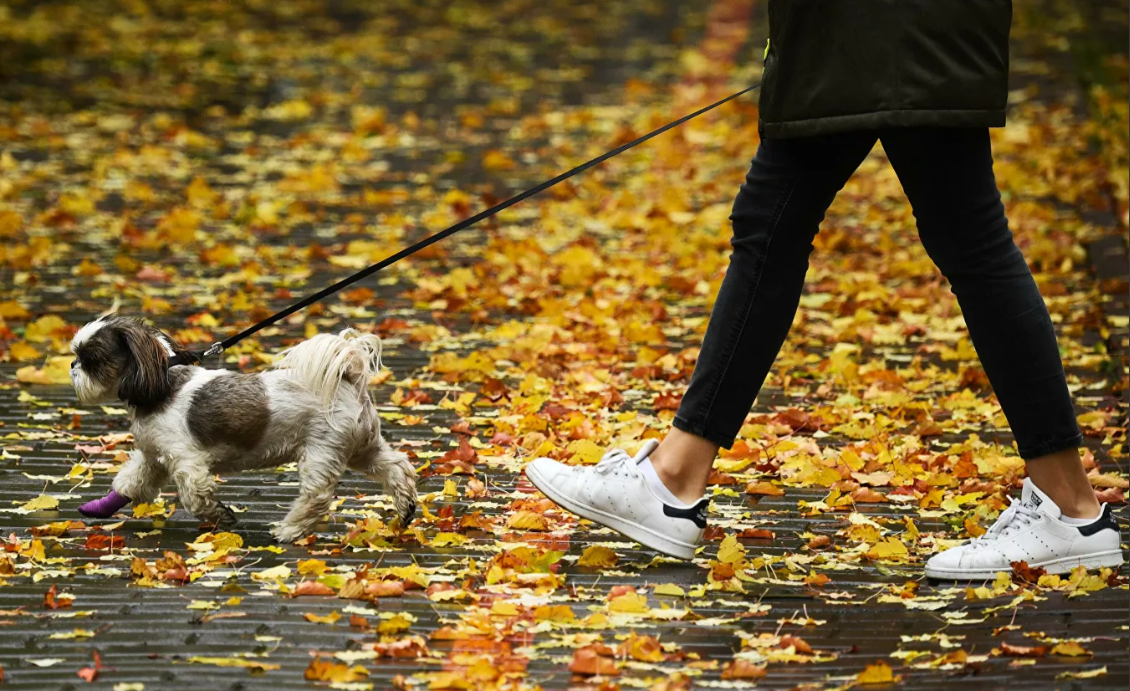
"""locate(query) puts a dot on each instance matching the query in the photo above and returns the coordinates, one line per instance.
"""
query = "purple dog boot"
(104, 507)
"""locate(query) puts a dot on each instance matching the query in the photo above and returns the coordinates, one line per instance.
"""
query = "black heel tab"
(1105, 521)
(696, 513)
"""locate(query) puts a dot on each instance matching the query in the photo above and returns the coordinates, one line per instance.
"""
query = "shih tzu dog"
(189, 423)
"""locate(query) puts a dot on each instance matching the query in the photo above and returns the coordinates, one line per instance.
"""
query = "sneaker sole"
(641, 534)
(1054, 566)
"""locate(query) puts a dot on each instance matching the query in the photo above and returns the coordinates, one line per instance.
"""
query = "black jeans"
(947, 174)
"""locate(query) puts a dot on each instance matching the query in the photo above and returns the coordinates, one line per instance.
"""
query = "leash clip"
(216, 349)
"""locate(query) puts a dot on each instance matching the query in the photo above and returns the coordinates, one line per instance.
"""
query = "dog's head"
(124, 358)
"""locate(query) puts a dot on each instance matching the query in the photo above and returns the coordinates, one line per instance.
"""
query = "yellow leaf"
(322, 619)
(72, 635)
(56, 371)
(629, 603)
(558, 613)
(43, 502)
(271, 574)
(10, 223)
(1070, 649)
(889, 548)
(42, 329)
(218, 541)
(10, 309)
(878, 673)
(731, 551)
(157, 509)
(585, 451)
(20, 351)
(87, 268)
(394, 624)
(598, 556)
(179, 226)
(503, 608)
(494, 159)
(527, 520)
(1089, 674)
(233, 662)
(669, 589)
(312, 567)
(448, 540)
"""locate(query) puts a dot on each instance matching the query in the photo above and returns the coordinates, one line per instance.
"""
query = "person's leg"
(776, 215)
(947, 174)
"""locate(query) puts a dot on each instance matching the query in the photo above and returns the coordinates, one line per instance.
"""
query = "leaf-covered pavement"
(208, 163)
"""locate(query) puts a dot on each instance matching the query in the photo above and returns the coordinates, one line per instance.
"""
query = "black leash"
(190, 357)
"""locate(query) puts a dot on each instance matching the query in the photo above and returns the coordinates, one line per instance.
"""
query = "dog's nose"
(74, 363)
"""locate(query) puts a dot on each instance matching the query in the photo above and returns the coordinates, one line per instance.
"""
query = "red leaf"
(757, 534)
(89, 674)
(105, 541)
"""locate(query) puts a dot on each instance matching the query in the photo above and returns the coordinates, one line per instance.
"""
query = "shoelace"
(1017, 515)
(613, 460)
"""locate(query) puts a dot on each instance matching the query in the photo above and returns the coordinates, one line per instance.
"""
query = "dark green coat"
(842, 65)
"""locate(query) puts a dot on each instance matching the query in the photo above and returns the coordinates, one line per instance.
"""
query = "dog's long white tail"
(328, 362)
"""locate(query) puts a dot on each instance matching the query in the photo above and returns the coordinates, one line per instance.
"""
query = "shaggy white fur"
(312, 407)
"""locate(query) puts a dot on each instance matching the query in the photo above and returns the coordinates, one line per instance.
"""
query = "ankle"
(1079, 507)
(687, 484)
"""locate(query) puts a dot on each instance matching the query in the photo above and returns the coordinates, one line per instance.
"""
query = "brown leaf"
(757, 534)
(866, 495)
(385, 588)
(312, 588)
(797, 642)
(743, 669)
(587, 662)
(327, 670)
(765, 488)
(819, 542)
(1021, 572)
(51, 599)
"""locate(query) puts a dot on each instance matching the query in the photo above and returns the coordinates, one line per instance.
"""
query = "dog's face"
(123, 358)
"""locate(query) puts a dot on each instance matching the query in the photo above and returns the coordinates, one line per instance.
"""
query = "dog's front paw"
(287, 533)
(226, 518)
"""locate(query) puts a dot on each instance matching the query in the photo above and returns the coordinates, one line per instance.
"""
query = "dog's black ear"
(144, 379)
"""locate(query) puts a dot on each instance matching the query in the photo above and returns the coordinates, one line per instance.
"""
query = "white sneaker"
(1030, 530)
(614, 493)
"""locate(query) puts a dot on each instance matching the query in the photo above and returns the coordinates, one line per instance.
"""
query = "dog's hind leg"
(319, 472)
(141, 478)
(197, 490)
(394, 471)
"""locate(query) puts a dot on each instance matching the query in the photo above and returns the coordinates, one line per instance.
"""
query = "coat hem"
(881, 119)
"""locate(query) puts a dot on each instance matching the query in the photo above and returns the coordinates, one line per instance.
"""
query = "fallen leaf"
(877, 673)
